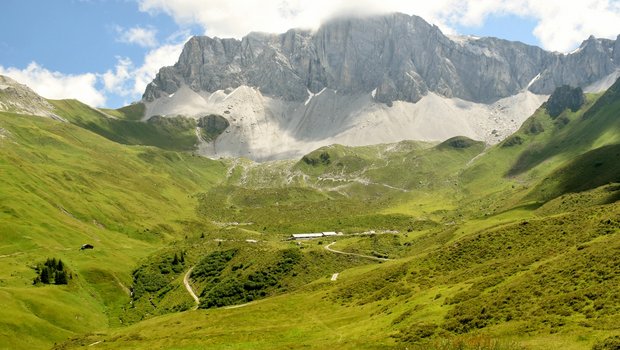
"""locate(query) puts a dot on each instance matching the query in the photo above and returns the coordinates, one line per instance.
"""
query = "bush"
(513, 141)
(232, 290)
(611, 343)
(153, 277)
(534, 128)
(418, 331)
(212, 265)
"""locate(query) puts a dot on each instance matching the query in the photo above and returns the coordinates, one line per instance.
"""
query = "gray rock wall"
(402, 57)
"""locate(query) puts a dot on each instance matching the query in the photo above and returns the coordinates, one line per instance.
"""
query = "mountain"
(505, 247)
(18, 98)
(513, 246)
(360, 81)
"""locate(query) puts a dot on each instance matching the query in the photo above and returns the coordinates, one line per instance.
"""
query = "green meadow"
(512, 246)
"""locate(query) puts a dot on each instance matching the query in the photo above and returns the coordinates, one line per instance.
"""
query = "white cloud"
(130, 81)
(166, 55)
(561, 25)
(145, 37)
(114, 81)
(56, 85)
(127, 80)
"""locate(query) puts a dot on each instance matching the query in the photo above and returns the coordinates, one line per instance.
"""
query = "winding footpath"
(334, 276)
(328, 247)
(189, 288)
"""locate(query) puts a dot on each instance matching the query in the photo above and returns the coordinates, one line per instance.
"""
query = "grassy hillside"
(124, 125)
(541, 285)
(133, 111)
(513, 246)
(63, 186)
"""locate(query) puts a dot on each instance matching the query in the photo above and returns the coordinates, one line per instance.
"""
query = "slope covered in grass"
(63, 186)
(123, 126)
(507, 247)
(133, 111)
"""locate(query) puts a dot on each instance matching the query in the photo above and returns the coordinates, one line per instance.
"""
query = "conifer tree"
(45, 275)
(61, 277)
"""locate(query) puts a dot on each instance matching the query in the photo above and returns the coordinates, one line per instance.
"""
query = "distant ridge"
(360, 81)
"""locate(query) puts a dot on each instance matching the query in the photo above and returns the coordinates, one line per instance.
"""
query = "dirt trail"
(237, 306)
(328, 247)
(189, 288)
(120, 284)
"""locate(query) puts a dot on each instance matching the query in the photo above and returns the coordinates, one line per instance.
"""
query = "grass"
(505, 247)
(133, 111)
(174, 133)
(64, 186)
(421, 301)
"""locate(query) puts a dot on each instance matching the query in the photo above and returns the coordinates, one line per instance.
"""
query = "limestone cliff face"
(593, 60)
(395, 57)
(361, 81)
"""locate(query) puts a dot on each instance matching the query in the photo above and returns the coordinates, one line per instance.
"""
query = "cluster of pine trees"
(178, 259)
(177, 262)
(52, 272)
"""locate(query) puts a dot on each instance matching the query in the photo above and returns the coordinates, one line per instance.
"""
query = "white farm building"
(312, 235)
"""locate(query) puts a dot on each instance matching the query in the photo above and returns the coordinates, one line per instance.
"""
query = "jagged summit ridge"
(361, 81)
(400, 57)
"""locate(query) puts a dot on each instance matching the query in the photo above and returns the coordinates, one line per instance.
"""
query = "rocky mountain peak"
(365, 80)
(19, 98)
(399, 57)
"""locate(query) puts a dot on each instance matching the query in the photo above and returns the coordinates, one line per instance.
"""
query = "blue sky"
(104, 52)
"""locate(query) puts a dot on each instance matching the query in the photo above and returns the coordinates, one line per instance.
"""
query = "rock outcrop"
(565, 97)
(18, 98)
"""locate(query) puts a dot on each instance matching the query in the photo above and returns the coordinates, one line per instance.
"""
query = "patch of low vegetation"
(152, 282)
(458, 142)
(245, 287)
(211, 126)
(564, 97)
(533, 126)
(323, 158)
(211, 266)
(610, 343)
(511, 141)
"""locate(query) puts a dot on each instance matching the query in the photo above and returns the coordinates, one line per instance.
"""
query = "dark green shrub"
(565, 97)
(51, 271)
(611, 343)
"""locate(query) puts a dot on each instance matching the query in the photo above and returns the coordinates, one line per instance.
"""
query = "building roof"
(307, 235)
